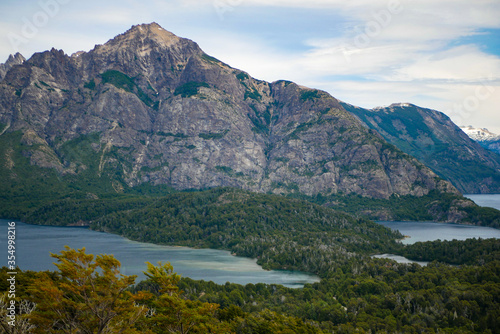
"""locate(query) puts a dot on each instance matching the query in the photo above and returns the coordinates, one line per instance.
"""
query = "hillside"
(150, 112)
(436, 141)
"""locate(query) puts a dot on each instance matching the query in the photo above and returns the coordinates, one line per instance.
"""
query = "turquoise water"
(34, 244)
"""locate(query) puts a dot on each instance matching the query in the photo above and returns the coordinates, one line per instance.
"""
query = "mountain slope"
(150, 107)
(436, 141)
(13, 60)
(485, 138)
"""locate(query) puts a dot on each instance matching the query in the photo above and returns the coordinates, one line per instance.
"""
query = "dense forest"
(328, 236)
(88, 294)
(27, 191)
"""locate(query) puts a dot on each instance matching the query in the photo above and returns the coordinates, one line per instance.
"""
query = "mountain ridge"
(148, 109)
(435, 140)
(485, 138)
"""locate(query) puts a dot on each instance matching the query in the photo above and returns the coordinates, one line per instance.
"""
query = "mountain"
(149, 106)
(436, 141)
(11, 61)
(485, 138)
(151, 112)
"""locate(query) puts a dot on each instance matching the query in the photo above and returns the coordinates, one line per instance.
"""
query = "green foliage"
(170, 134)
(190, 88)
(311, 238)
(376, 295)
(90, 85)
(88, 296)
(24, 186)
(119, 80)
(440, 153)
(310, 94)
(224, 169)
(424, 208)
(253, 94)
(363, 295)
(213, 135)
(212, 60)
(123, 81)
(242, 76)
(456, 252)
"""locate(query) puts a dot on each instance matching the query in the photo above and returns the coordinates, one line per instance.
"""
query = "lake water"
(489, 200)
(33, 244)
(430, 231)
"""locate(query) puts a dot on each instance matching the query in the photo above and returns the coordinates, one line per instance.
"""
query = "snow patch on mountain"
(480, 135)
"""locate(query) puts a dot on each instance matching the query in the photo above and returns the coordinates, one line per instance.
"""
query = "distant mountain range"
(149, 110)
(436, 141)
(485, 138)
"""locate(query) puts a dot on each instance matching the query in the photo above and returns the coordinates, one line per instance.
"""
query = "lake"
(34, 242)
(429, 231)
(489, 200)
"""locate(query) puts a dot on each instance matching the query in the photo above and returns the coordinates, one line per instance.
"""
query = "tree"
(87, 296)
(20, 324)
(174, 314)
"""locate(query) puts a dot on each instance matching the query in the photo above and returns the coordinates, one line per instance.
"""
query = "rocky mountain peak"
(395, 105)
(149, 107)
(15, 59)
(480, 134)
(143, 38)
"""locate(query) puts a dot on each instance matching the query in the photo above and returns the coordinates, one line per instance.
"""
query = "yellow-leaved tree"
(171, 313)
(88, 295)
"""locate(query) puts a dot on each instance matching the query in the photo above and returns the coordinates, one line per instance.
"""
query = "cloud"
(366, 52)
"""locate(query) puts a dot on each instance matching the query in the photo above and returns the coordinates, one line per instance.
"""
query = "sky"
(438, 54)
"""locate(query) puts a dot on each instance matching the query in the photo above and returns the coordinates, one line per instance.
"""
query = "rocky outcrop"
(15, 59)
(436, 141)
(150, 107)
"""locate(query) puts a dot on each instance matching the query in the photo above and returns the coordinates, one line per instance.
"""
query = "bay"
(488, 200)
(34, 244)
(430, 231)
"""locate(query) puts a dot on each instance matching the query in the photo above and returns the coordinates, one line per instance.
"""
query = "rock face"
(485, 138)
(16, 59)
(150, 107)
(435, 140)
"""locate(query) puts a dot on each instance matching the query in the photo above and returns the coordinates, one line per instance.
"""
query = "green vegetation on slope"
(440, 149)
(282, 233)
(123, 81)
(367, 296)
(434, 206)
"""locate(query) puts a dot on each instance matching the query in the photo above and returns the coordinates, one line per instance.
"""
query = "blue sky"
(440, 54)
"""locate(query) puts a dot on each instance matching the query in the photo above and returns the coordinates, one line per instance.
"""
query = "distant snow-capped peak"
(478, 134)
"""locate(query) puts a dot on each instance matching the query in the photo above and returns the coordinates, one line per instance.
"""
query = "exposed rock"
(485, 138)
(150, 107)
(13, 60)
(435, 140)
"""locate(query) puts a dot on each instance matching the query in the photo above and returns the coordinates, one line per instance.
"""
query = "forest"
(88, 294)
(457, 292)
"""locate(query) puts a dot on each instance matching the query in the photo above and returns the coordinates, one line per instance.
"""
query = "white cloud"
(400, 52)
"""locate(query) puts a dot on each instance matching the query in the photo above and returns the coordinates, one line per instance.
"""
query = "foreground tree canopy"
(88, 294)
